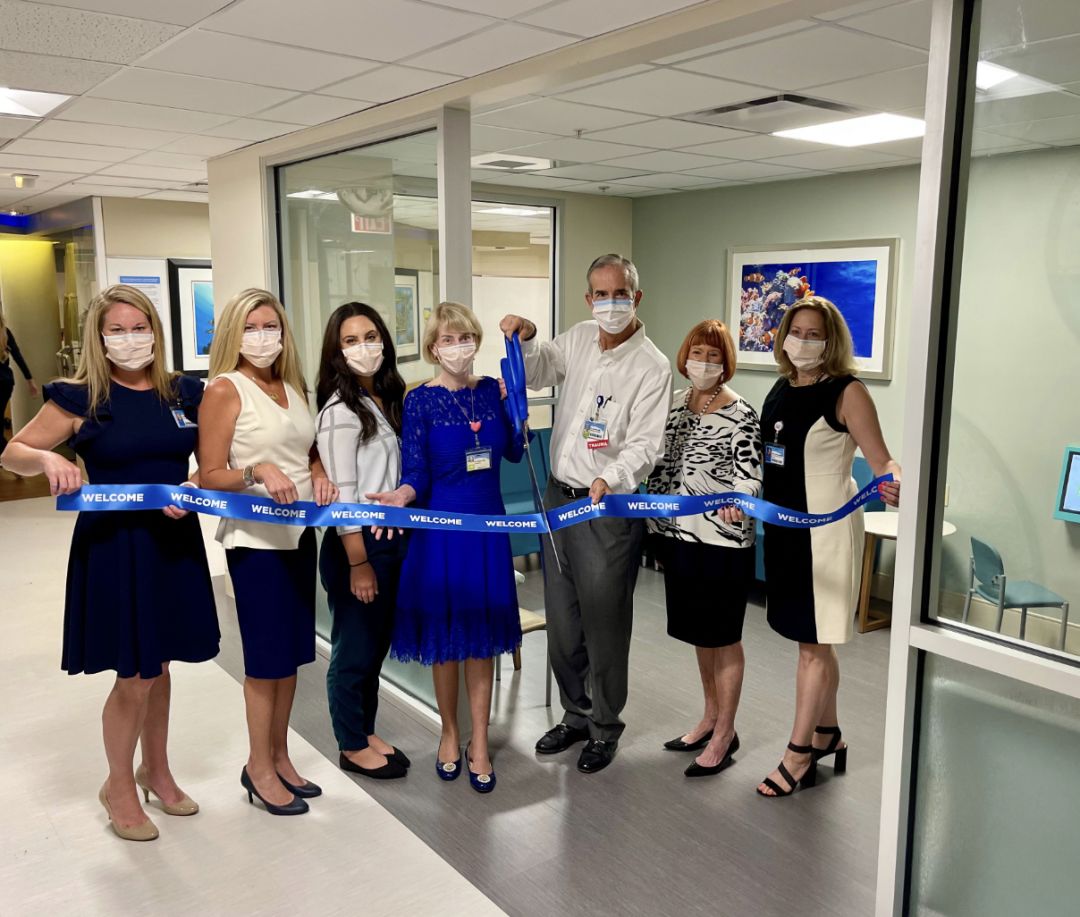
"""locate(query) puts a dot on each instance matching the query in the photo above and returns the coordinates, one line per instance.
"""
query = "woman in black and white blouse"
(712, 443)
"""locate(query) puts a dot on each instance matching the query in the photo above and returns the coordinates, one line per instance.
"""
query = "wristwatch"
(249, 476)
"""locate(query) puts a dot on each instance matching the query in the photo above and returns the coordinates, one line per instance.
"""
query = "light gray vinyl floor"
(640, 838)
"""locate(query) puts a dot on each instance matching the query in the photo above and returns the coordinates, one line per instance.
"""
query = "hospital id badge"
(478, 459)
(182, 420)
(595, 434)
(774, 454)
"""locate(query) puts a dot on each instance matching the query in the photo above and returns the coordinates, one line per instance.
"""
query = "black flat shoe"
(391, 770)
(398, 755)
(596, 755)
(679, 745)
(700, 770)
(296, 807)
(308, 790)
(560, 738)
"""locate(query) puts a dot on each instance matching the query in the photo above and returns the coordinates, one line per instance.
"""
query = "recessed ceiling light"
(881, 128)
(512, 211)
(359, 251)
(29, 104)
(510, 162)
(988, 75)
(315, 194)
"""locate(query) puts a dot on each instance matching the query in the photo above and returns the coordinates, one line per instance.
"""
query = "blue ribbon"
(121, 497)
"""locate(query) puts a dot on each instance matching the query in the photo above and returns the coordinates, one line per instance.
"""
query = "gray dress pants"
(590, 613)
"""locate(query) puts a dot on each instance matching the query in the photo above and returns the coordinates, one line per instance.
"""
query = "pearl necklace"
(708, 404)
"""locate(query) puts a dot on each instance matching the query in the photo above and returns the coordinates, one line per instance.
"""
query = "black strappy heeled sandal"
(833, 748)
(807, 780)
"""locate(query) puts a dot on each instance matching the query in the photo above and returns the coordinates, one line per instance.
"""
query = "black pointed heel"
(807, 780)
(833, 748)
(307, 790)
(296, 807)
(679, 745)
(700, 770)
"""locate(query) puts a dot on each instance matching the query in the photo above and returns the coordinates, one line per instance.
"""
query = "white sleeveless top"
(268, 432)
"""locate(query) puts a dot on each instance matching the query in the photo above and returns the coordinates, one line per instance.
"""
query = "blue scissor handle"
(513, 371)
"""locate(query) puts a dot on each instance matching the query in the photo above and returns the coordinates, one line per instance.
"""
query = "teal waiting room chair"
(988, 581)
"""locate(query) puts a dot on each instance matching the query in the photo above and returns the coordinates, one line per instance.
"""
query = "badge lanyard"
(774, 452)
(595, 431)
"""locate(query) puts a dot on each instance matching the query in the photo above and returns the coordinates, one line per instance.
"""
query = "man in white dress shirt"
(608, 433)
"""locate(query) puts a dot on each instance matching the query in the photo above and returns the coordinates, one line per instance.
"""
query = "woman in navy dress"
(457, 599)
(138, 586)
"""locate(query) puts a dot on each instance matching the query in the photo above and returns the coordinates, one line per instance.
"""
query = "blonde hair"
(93, 370)
(453, 316)
(229, 334)
(839, 356)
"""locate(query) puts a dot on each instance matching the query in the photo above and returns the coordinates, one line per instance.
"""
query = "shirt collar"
(626, 348)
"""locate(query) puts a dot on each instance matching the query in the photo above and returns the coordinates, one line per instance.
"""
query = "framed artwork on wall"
(191, 293)
(859, 276)
(1068, 501)
(407, 328)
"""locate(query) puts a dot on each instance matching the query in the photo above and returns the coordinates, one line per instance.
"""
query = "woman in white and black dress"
(712, 443)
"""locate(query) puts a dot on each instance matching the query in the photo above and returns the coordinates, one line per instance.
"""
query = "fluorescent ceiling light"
(988, 75)
(359, 251)
(315, 194)
(881, 128)
(29, 104)
(513, 211)
(510, 162)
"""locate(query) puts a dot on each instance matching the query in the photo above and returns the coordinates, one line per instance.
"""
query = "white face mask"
(613, 315)
(364, 359)
(704, 375)
(129, 351)
(261, 348)
(456, 358)
(804, 354)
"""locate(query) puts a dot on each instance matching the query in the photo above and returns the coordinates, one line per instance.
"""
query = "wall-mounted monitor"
(1068, 500)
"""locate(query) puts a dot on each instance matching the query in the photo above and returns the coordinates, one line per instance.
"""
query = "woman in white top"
(712, 444)
(256, 435)
(359, 395)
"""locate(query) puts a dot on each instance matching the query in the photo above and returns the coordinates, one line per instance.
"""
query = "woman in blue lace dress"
(457, 600)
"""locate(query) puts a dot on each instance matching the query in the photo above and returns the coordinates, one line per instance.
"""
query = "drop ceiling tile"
(983, 142)
(388, 83)
(487, 139)
(187, 13)
(759, 146)
(908, 23)
(178, 175)
(14, 127)
(75, 33)
(180, 90)
(606, 77)
(46, 73)
(503, 9)
(1022, 23)
(816, 56)
(575, 150)
(313, 109)
(90, 151)
(147, 184)
(191, 196)
(26, 163)
(90, 189)
(594, 17)
(992, 114)
(1056, 61)
(203, 146)
(170, 160)
(46, 179)
(252, 129)
(554, 116)
(598, 172)
(606, 189)
(666, 92)
(133, 114)
(893, 91)
(665, 180)
(1057, 131)
(486, 177)
(104, 134)
(741, 171)
(371, 29)
(664, 161)
(850, 9)
(490, 49)
(832, 158)
(416, 169)
(796, 25)
(247, 60)
(665, 134)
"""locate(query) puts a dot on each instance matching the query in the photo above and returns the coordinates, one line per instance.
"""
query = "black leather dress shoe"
(560, 738)
(596, 755)
(391, 770)
(679, 745)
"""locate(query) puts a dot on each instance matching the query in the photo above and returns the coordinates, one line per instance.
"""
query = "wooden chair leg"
(517, 658)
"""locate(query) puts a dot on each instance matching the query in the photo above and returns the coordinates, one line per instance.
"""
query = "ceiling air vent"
(773, 113)
(511, 162)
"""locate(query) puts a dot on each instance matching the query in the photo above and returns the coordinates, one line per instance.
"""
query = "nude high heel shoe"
(147, 831)
(186, 806)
